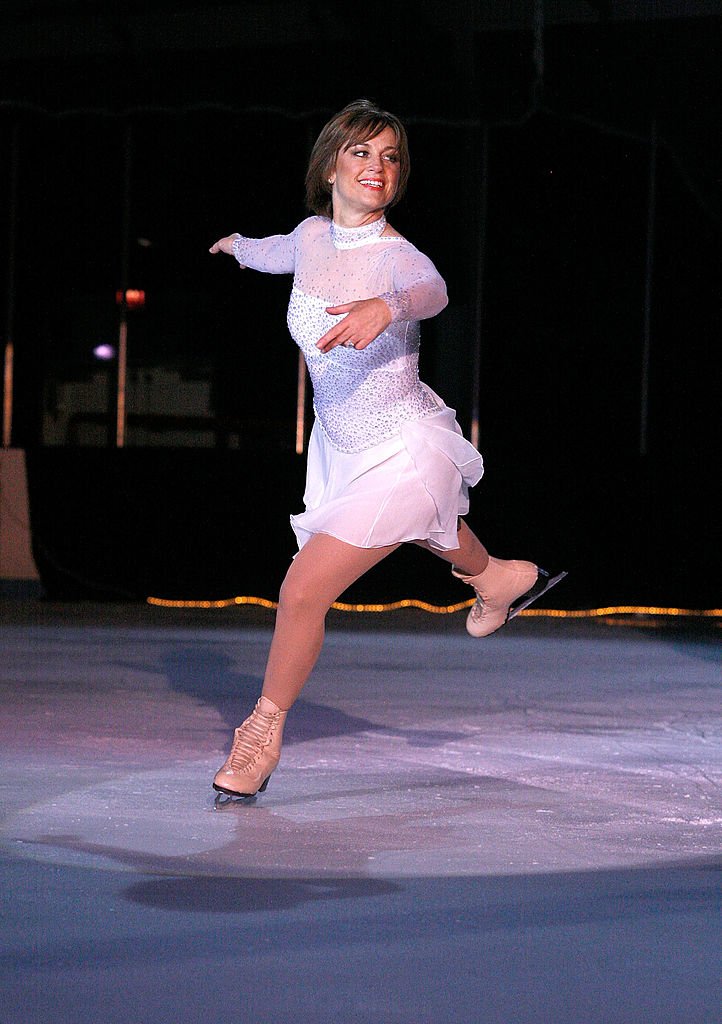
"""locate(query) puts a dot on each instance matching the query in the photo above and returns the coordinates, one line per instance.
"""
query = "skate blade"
(222, 791)
(544, 583)
(222, 801)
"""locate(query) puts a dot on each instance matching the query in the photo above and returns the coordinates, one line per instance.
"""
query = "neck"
(345, 237)
(353, 219)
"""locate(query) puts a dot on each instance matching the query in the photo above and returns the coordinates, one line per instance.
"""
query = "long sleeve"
(419, 291)
(273, 255)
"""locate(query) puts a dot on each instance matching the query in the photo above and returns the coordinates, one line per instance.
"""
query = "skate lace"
(251, 739)
(477, 609)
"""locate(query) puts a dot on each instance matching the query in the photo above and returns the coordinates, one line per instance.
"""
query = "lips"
(371, 183)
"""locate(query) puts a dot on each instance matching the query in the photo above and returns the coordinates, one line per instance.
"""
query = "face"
(365, 178)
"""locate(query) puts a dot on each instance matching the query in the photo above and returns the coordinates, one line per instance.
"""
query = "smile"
(371, 183)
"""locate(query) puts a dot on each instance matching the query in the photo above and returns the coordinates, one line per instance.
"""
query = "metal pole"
(9, 354)
(648, 278)
(538, 53)
(301, 405)
(302, 371)
(120, 407)
(480, 275)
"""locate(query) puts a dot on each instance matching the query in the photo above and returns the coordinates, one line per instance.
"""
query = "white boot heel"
(502, 590)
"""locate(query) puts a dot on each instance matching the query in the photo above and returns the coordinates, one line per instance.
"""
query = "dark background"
(221, 104)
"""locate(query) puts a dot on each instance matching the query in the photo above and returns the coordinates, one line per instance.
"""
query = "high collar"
(352, 238)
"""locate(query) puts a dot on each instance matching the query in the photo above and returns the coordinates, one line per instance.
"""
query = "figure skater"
(387, 463)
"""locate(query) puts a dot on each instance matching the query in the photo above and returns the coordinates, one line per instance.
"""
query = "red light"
(134, 298)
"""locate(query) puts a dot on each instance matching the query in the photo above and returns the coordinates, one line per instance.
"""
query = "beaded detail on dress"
(352, 238)
(361, 396)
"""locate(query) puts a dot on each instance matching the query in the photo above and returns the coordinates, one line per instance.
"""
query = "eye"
(392, 158)
(360, 152)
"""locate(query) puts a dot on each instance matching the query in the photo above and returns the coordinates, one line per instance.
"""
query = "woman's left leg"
(502, 587)
(470, 558)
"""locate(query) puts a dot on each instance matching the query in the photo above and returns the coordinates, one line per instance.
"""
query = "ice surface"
(537, 814)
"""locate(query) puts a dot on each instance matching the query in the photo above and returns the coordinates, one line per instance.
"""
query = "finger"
(345, 308)
(335, 343)
(336, 334)
(330, 344)
(355, 340)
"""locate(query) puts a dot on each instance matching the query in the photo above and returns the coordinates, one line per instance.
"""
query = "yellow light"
(450, 609)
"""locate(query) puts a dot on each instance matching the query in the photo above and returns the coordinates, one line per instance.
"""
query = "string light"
(450, 609)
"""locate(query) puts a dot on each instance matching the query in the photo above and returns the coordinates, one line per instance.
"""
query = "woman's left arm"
(419, 292)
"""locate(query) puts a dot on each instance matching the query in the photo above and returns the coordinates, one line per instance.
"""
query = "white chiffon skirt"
(413, 486)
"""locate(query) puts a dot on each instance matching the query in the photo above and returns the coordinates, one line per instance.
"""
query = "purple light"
(104, 352)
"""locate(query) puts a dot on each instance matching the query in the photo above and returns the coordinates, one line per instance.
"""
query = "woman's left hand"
(364, 321)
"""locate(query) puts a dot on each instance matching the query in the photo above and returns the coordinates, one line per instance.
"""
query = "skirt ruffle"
(413, 486)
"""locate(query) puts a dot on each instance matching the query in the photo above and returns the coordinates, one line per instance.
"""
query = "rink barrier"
(450, 609)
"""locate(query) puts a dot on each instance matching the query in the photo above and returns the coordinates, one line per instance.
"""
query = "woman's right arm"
(274, 255)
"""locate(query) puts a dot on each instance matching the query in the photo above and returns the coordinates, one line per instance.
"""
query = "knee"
(300, 597)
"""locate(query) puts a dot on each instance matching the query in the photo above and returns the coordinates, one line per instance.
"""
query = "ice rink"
(522, 830)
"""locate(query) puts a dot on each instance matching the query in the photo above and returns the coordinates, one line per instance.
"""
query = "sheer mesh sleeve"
(419, 291)
(273, 255)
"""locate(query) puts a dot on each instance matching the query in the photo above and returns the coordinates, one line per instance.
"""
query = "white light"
(104, 352)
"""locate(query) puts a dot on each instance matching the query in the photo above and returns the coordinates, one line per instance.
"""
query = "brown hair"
(358, 122)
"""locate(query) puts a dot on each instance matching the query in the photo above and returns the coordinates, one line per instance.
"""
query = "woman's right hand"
(224, 244)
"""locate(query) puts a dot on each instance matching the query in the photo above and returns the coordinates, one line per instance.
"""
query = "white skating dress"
(387, 462)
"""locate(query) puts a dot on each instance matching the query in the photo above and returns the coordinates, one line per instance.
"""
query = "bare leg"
(470, 558)
(319, 574)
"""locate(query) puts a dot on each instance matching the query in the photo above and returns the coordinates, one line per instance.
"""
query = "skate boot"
(504, 589)
(255, 752)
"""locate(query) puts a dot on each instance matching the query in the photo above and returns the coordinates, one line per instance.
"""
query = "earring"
(330, 181)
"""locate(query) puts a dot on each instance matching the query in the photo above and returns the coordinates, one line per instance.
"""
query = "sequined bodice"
(361, 397)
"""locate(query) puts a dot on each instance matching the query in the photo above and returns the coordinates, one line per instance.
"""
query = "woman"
(387, 463)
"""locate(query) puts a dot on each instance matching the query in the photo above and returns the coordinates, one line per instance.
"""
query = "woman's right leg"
(318, 575)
